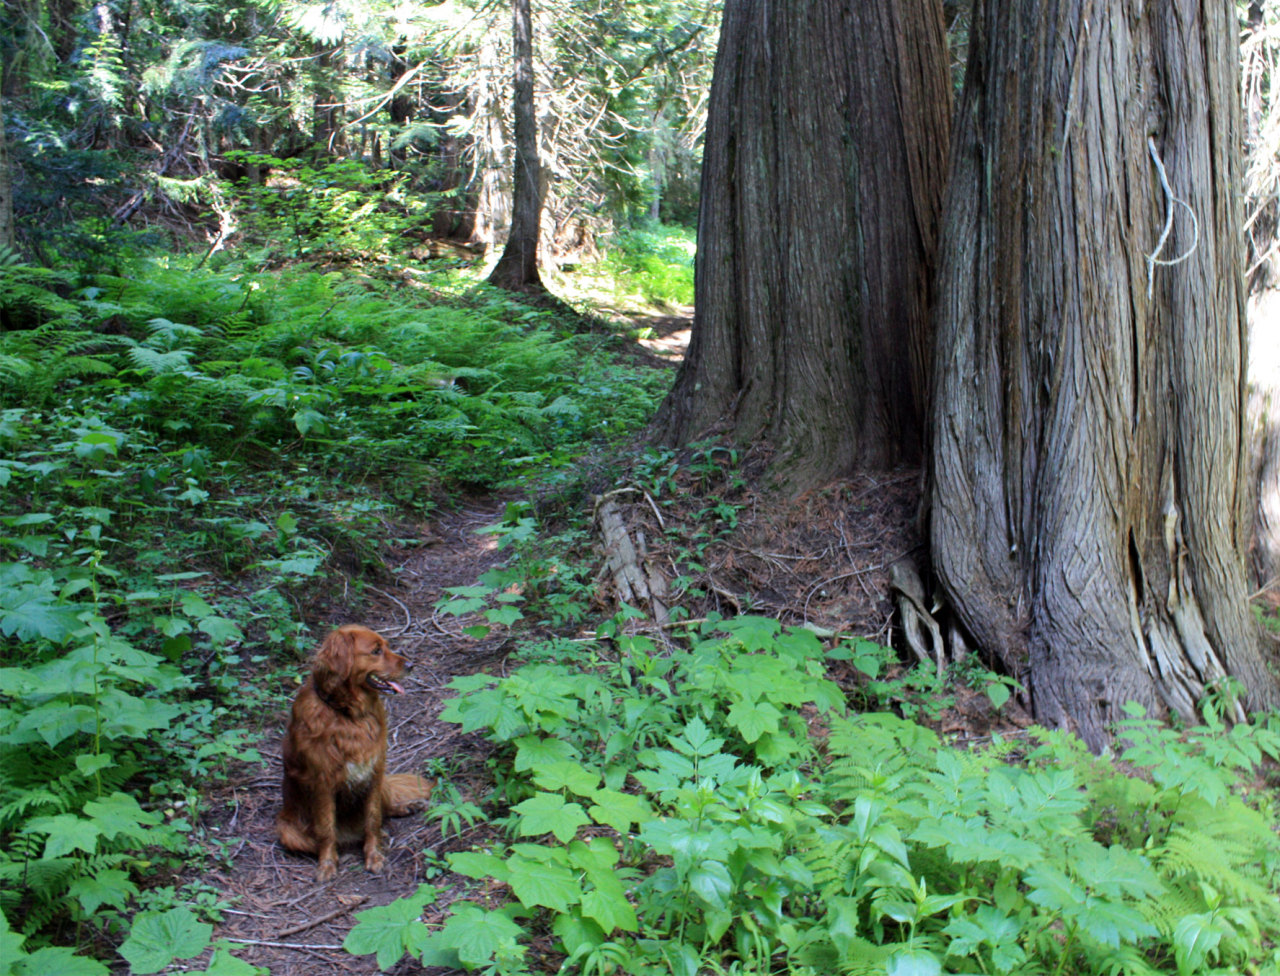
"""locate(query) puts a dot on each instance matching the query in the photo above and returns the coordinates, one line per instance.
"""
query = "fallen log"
(639, 583)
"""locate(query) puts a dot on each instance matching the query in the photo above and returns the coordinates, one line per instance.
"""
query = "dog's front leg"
(326, 831)
(373, 859)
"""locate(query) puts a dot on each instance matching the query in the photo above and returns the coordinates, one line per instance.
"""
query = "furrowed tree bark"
(822, 178)
(1090, 498)
(517, 268)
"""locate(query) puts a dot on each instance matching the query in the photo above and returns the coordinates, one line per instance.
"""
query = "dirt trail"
(281, 918)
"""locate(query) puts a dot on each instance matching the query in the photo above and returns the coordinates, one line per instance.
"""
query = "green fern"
(1224, 846)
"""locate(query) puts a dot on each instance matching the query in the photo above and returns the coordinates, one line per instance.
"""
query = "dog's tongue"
(395, 687)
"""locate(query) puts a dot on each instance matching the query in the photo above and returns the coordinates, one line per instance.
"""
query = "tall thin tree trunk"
(1263, 240)
(1264, 420)
(7, 235)
(1090, 487)
(822, 180)
(517, 268)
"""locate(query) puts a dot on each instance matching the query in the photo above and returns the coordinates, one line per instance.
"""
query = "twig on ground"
(657, 514)
(327, 917)
(408, 617)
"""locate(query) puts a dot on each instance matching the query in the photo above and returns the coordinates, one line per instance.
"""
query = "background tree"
(1261, 70)
(6, 188)
(822, 179)
(1090, 491)
(517, 268)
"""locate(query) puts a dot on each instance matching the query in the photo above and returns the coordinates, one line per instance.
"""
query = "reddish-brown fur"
(335, 753)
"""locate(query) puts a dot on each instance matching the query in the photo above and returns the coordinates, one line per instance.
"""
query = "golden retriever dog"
(335, 753)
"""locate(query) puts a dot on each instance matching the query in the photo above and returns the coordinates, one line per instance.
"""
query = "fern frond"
(1175, 903)
(81, 367)
(27, 804)
(14, 369)
(156, 363)
(168, 333)
(1232, 867)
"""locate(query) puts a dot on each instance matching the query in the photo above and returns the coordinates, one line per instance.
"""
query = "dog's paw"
(374, 861)
(327, 870)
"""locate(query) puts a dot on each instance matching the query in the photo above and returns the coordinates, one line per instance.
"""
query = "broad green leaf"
(755, 633)
(158, 938)
(32, 615)
(1052, 889)
(696, 739)
(607, 904)
(119, 814)
(914, 962)
(476, 933)
(10, 941)
(710, 880)
(462, 606)
(56, 961)
(300, 564)
(577, 933)
(391, 930)
(537, 750)
(88, 763)
(196, 606)
(754, 719)
(57, 721)
(308, 421)
(109, 887)
(221, 630)
(566, 775)
(505, 616)
(543, 882)
(223, 963)
(126, 716)
(619, 810)
(67, 833)
(999, 694)
(548, 813)
(473, 864)
(1194, 937)
(1111, 923)
(682, 958)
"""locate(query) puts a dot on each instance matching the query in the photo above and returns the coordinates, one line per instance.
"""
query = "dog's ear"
(331, 668)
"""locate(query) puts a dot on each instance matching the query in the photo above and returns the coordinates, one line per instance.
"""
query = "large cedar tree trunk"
(1090, 502)
(821, 188)
(517, 268)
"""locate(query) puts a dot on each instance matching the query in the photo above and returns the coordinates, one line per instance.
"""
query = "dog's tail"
(294, 836)
(402, 793)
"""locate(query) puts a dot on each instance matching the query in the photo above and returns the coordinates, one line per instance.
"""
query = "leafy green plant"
(656, 263)
(340, 209)
(916, 692)
(667, 812)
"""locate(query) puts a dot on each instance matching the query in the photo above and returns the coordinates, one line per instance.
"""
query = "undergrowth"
(704, 800)
(710, 805)
(650, 265)
(192, 461)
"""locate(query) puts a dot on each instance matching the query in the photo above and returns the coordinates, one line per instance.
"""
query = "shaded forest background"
(187, 108)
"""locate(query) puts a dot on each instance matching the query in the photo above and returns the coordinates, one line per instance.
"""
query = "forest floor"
(821, 560)
(281, 918)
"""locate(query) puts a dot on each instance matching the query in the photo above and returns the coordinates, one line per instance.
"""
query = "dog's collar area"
(324, 697)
